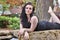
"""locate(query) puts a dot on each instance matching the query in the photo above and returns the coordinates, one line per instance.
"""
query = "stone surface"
(45, 35)
(40, 35)
(7, 34)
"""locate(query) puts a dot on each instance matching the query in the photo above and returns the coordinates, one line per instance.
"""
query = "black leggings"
(45, 25)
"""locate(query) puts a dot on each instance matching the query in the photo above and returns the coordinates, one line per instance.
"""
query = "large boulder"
(5, 34)
(45, 35)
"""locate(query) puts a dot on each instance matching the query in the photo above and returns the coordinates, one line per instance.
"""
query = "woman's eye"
(26, 8)
(30, 8)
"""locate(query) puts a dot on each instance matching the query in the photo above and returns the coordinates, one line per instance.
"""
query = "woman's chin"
(28, 13)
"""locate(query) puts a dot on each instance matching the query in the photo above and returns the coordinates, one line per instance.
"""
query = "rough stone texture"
(7, 34)
(45, 35)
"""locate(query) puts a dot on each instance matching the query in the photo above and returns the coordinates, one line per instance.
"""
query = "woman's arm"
(21, 31)
(21, 26)
(34, 22)
(54, 17)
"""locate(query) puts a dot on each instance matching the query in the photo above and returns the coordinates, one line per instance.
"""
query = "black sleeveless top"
(27, 25)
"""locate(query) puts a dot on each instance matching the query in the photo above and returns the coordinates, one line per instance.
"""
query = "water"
(14, 39)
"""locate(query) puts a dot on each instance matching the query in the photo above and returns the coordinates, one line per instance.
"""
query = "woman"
(30, 23)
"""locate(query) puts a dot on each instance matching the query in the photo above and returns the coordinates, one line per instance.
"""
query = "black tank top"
(26, 25)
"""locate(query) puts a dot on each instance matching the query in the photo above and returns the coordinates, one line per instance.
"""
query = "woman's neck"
(28, 16)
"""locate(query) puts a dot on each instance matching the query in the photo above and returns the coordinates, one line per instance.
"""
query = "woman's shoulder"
(34, 18)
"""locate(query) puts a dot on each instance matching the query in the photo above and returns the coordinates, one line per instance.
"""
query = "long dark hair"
(23, 15)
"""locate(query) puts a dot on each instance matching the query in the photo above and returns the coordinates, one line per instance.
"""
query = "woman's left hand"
(26, 36)
(21, 32)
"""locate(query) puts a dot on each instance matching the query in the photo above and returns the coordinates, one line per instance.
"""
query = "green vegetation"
(10, 22)
(4, 4)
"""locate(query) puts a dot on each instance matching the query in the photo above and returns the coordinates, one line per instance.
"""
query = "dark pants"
(45, 25)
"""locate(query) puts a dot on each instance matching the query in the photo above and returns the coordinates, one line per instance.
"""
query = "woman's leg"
(55, 18)
(26, 36)
(45, 25)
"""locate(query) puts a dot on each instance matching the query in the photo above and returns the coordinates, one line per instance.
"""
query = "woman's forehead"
(29, 6)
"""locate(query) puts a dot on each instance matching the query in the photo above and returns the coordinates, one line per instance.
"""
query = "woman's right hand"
(21, 32)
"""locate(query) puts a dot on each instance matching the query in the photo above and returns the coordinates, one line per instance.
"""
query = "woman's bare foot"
(50, 10)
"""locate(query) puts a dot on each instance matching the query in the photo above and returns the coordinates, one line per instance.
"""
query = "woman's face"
(28, 9)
